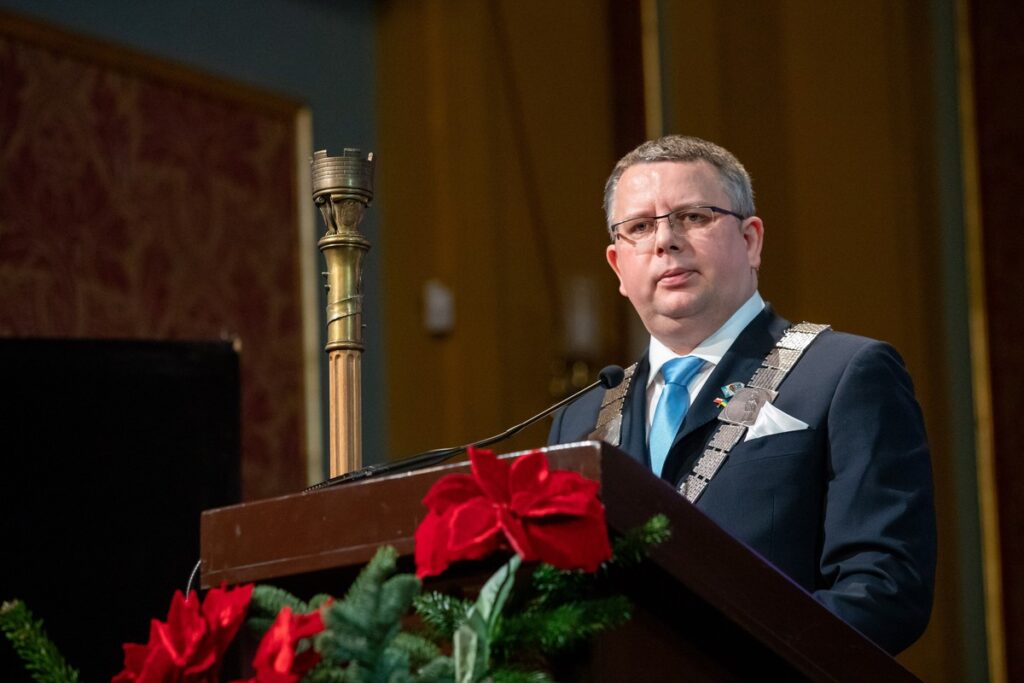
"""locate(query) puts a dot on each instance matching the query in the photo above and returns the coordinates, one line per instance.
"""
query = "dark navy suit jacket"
(843, 508)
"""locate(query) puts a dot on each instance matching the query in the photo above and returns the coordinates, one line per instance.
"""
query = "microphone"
(609, 378)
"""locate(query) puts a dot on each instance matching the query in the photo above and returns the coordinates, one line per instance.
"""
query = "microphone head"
(611, 376)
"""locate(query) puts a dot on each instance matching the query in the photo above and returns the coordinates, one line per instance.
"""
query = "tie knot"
(681, 370)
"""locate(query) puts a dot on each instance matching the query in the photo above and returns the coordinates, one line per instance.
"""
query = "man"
(829, 477)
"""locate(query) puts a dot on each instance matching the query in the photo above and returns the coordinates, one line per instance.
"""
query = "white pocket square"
(771, 420)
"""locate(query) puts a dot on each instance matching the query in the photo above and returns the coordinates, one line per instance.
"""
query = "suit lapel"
(634, 420)
(737, 365)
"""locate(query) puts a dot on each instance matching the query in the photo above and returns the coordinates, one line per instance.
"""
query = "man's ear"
(753, 235)
(612, 255)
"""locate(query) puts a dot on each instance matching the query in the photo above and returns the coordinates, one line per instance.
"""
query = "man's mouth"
(675, 276)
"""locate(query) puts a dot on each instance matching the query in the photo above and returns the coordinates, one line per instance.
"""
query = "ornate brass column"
(342, 189)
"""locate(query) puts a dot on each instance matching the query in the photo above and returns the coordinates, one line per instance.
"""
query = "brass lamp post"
(342, 189)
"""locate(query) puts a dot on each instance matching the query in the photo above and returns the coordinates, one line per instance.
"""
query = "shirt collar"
(714, 347)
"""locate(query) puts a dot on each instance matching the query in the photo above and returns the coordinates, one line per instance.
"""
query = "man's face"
(685, 288)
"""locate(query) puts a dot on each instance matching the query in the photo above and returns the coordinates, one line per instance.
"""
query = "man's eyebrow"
(677, 207)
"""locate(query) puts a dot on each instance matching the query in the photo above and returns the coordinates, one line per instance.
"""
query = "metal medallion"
(745, 406)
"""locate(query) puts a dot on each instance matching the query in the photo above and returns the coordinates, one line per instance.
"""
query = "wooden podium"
(707, 607)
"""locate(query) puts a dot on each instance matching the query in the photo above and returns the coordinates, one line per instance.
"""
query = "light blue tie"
(672, 405)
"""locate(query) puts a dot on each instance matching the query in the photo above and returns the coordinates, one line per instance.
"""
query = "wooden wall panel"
(495, 137)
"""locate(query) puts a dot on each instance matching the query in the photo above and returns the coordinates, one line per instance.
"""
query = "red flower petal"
(471, 525)
(491, 473)
(544, 515)
(516, 535)
(183, 632)
(529, 472)
(224, 611)
(576, 543)
(276, 660)
(564, 493)
(304, 661)
(134, 660)
(158, 667)
(431, 545)
(453, 489)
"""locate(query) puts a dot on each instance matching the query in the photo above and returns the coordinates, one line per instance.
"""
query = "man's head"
(686, 280)
(683, 148)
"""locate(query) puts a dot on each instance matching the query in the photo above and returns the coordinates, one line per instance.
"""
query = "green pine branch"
(562, 609)
(38, 653)
(547, 632)
(363, 630)
(441, 614)
(325, 673)
(419, 650)
(265, 604)
(318, 601)
(268, 600)
(633, 547)
(439, 670)
(504, 675)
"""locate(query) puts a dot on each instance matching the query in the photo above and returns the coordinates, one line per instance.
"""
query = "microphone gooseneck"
(609, 378)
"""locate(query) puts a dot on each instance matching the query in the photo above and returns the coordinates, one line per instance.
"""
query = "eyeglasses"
(640, 231)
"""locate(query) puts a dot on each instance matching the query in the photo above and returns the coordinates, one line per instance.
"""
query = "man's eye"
(638, 228)
(691, 218)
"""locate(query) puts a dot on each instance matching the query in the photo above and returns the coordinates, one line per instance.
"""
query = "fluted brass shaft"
(346, 419)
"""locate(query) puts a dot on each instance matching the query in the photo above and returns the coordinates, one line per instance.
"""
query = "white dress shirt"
(710, 350)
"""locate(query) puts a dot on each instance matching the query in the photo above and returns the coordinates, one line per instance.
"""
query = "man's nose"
(665, 238)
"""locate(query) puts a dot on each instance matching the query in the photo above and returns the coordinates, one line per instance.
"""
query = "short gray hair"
(682, 148)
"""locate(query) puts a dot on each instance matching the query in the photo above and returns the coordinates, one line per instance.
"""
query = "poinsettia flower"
(543, 515)
(182, 636)
(187, 648)
(278, 659)
(224, 611)
(146, 663)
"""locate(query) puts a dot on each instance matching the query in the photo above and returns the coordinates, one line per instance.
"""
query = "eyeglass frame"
(613, 228)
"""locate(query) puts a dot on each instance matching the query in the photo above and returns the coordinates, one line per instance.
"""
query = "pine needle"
(40, 656)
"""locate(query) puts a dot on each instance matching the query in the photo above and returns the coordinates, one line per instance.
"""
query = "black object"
(110, 451)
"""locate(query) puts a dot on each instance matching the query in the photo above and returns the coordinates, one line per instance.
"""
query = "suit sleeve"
(879, 541)
(575, 421)
(555, 435)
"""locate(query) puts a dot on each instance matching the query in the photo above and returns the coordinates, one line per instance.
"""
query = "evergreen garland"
(420, 651)
(267, 601)
(555, 630)
(442, 614)
(40, 656)
(633, 547)
(363, 640)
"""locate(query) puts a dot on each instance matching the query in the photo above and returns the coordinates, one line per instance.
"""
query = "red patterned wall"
(139, 200)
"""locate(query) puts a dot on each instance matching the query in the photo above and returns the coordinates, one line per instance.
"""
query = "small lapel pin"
(728, 391)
